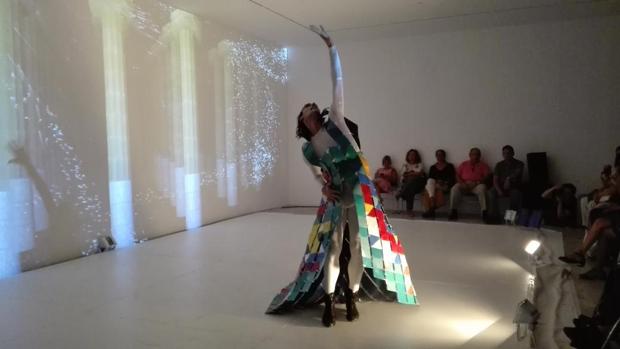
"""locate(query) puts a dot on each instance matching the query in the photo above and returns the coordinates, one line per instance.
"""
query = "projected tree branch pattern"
(129, 119)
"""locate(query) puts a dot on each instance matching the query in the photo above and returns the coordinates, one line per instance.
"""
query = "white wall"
(64, 77)
(549, 87)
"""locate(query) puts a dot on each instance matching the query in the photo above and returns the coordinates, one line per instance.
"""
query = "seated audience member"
(470, 175)
(609, 218)
(606, 200)
(386, 177)
(441, 178)
(507, 178)
(560, 205)
(608, 194)
(414, 178)
(600, 196)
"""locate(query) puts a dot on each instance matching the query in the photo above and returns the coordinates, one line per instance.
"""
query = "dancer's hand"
(322, 33)
(330, 194)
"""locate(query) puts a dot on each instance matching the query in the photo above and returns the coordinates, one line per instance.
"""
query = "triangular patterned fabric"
(387, 275)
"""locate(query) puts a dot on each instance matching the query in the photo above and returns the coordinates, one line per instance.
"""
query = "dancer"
(377, 266)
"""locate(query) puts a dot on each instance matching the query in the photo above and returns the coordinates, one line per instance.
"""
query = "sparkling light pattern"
(64, 208)
(71, 191)
(256, 71)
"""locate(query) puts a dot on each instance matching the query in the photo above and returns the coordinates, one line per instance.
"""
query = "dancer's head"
(413, 157)
(309, 121)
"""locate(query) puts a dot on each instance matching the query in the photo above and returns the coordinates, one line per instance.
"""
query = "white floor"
(209, 288)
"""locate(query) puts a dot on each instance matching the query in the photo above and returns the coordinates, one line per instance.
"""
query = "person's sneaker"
(593, 274)
(454, 215)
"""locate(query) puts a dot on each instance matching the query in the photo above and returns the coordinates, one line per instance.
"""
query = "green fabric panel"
(377, 253)
(367, 262)
(309, 154)
(377, 264)
(364, 232)
(378, 273)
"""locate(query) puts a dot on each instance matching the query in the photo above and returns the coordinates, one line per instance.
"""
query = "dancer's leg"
(331, 268)
(355, 263)
(355, 268)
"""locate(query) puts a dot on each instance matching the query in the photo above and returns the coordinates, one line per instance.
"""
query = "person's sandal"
(574, 258)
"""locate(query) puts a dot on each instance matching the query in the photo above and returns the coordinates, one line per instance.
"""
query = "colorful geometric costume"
(386, 272)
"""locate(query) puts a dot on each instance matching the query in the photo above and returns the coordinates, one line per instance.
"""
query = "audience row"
(472, 176)
(446, 184)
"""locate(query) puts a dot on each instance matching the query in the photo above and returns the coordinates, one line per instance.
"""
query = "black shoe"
(454, 215)
(352, 312)
(329, 313)
(430, 214)
(593, 274)
(583, 321)
(574, 258)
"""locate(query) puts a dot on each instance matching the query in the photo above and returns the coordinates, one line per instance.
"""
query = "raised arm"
(337, 109)
(337, 89)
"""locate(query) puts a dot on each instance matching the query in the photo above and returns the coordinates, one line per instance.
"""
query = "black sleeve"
(432, 173)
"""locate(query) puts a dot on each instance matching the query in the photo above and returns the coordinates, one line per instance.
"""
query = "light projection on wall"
(112, 15)
(247, 117)
(15, 194)
(180, 34)
(121, 116)
(257, 71)
(47, 205)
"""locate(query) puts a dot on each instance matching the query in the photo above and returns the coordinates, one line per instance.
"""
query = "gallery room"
(309, 174)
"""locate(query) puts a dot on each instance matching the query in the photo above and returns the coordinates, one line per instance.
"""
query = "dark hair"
(509, 147)
(417, 156)
(302, 130)
(475, 149)
(440, 151)
(386, 158)
(570, 187)
(617, 160)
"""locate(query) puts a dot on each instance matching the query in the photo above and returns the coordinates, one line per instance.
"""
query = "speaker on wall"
(538, 170)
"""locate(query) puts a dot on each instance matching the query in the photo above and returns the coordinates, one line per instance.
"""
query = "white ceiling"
(275, 19)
